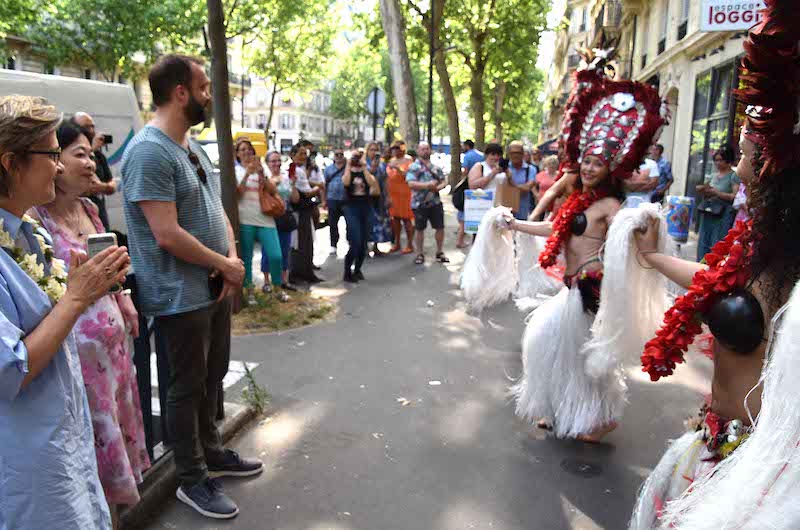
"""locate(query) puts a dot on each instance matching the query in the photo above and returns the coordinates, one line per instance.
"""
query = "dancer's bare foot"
(408, 250)
(544, 424)
(395, 248)
(595, 437)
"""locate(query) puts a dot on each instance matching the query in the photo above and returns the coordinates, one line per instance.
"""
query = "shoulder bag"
(271, 203)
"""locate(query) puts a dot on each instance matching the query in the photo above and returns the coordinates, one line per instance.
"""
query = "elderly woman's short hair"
(24, 121)
(550, 161)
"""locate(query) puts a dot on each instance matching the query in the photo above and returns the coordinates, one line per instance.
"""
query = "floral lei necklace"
(577, 203)
(54, 285)
(728, 268)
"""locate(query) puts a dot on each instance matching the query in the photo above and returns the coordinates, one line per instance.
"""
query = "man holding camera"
(523, 178)
(426, 181)
(104, 183)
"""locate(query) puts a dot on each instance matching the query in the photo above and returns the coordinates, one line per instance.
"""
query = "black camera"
(504, 164)
(108, 139)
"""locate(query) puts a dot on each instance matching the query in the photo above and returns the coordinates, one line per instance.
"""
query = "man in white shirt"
(640, 186)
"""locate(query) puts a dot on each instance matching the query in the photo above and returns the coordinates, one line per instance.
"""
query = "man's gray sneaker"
(230, 464)
(208, 499)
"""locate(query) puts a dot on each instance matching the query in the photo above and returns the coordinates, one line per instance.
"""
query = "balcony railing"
(239, 80)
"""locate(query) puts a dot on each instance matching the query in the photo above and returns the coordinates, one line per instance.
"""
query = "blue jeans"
(357, 216)
(335, 211)
(270, 247)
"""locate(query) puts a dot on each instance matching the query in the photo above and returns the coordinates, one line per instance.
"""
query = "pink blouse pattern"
(110, 380)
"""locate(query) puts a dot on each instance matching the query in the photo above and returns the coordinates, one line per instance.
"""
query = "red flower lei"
(728, 268)
(577, 203)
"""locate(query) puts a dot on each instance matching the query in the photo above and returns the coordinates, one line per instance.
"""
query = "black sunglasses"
(54, 154)
(196, 163)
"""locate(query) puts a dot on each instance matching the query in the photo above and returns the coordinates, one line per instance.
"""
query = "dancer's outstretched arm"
(560, 187)
(678, 270)
(542, 228)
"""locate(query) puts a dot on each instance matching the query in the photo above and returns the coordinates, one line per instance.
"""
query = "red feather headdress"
(771, 74)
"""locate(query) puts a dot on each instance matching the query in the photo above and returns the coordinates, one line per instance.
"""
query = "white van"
(113, 107)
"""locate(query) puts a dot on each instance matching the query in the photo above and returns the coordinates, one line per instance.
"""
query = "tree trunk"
(499, 101)
(269, 116)
(478, 104)
(222, 109)
(451, 107)
(403, 83)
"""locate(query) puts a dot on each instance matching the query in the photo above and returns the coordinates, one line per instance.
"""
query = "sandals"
(420, 259)
(441, 258)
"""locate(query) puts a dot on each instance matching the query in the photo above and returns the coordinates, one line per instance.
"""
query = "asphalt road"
(361, 436)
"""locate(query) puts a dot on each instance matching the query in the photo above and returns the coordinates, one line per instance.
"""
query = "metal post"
(242, 100)
(374, 113)
(430, 81)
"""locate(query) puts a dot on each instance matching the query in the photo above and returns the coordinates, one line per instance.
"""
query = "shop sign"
(730, 15)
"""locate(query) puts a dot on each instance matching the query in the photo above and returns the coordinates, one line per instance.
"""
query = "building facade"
(586, 24)
(298, 117)
(695, 72)
(660, 42)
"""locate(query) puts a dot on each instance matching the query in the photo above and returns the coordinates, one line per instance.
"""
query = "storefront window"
(713, 123)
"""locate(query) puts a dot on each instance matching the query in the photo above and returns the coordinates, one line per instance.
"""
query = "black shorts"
(434, 214)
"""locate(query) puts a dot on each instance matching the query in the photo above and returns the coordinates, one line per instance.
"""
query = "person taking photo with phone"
(48, 444)
(255, 225)
(490, 173)
(359, 184)
(102, 331)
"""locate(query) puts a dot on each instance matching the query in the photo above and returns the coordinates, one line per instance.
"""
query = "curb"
(160, 481)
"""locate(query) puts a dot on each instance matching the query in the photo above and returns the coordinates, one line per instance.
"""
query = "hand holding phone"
(96, 243)
(91, 279)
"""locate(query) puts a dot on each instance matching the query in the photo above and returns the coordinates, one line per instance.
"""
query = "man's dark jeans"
(198, 347)
(335, 211)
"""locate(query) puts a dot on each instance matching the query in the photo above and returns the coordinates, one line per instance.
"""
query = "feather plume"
(632, 299)
(490, 270)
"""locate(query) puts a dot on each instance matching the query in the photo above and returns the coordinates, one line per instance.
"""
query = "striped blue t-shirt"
(155, 168)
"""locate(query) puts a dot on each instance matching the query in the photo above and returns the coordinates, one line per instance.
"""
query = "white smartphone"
(96, 243)
(99, 242)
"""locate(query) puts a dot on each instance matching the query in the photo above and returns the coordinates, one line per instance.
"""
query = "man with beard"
(184, 253)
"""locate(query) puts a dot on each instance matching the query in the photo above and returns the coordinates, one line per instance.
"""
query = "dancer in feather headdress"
(741, 468)
(607, 130)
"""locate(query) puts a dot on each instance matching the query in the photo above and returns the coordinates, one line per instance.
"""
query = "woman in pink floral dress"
(101, 334)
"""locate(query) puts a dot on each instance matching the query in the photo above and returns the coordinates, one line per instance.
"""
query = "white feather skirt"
(489, 276)
(554, 382)
(685, 461)
(534, 281)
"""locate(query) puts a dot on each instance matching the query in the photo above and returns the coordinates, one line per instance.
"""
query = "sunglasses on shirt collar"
(198, 167)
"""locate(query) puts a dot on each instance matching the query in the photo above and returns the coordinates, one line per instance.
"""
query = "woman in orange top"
(399, 201)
